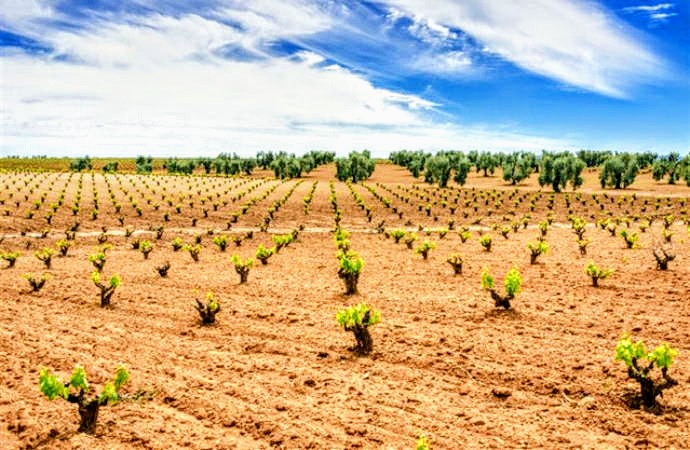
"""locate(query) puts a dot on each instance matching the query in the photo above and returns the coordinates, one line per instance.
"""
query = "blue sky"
(167, 77)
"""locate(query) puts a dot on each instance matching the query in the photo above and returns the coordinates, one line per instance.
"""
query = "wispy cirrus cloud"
(12, 11)
(660, 12)
(167, 84)
(58, 108)
(649, 8)
(240, 75)
(574, 42)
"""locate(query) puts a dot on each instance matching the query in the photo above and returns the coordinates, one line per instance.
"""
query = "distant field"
(643, 183)
(62, 164)
(276, 371)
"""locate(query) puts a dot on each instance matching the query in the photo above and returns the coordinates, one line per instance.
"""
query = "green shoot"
(486, 242)
(640, 362)
(263, 253)
(425, 248)
(579, 226)
(45, 255)
(455, 261)
(106, 290)
(194, 251)
(358, 319)
(342, 239)
(596, 273)
(10, 257)
(512, 282)
(629, 238)
(177, 244)
(63, 246)
(242, 267)
(208, 309)
(644, 226)
(409, 240)
(423, 443)
(397, 235)
(36, 283)
(536, 249)
(221, 241)
(98, 259)
(282, 240)
(350, 268)
(145, 247)
(76, 390)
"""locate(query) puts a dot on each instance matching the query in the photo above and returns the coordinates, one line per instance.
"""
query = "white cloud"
(268, 19)
(574, 42)
(444, 52)
(453, 62)
(12, 11)
(309, 58)
(159, 84)
(146, 41)
(218, 104)
(59, 108)
(657, 14)
(661, 17)
(431, 33)
(649, 8)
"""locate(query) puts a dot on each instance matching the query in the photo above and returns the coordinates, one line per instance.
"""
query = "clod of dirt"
(478, 421)
(501, 392)
(587, 402)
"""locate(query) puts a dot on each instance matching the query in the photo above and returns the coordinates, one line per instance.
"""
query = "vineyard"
(258, 312)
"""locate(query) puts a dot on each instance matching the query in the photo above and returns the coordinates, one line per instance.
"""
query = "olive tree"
(619, 171)
(517, 166)
(559, 170)
(356, 167)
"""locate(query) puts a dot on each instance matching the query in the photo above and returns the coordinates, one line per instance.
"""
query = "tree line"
(555, 169)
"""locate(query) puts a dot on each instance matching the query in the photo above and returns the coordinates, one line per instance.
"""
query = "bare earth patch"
(274, 371)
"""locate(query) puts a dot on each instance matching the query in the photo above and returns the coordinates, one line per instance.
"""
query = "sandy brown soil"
(275, 371)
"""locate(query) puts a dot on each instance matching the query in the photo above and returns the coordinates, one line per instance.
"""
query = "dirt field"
(275, 371)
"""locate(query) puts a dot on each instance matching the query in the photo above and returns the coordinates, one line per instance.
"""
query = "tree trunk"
(243, 276)
(500, 302)
(351, 283)
(364, 342)
(350, 280)
(105, 298)
(648, 392)
(88, 414)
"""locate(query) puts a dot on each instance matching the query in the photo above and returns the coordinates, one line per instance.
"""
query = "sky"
(200, 77)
